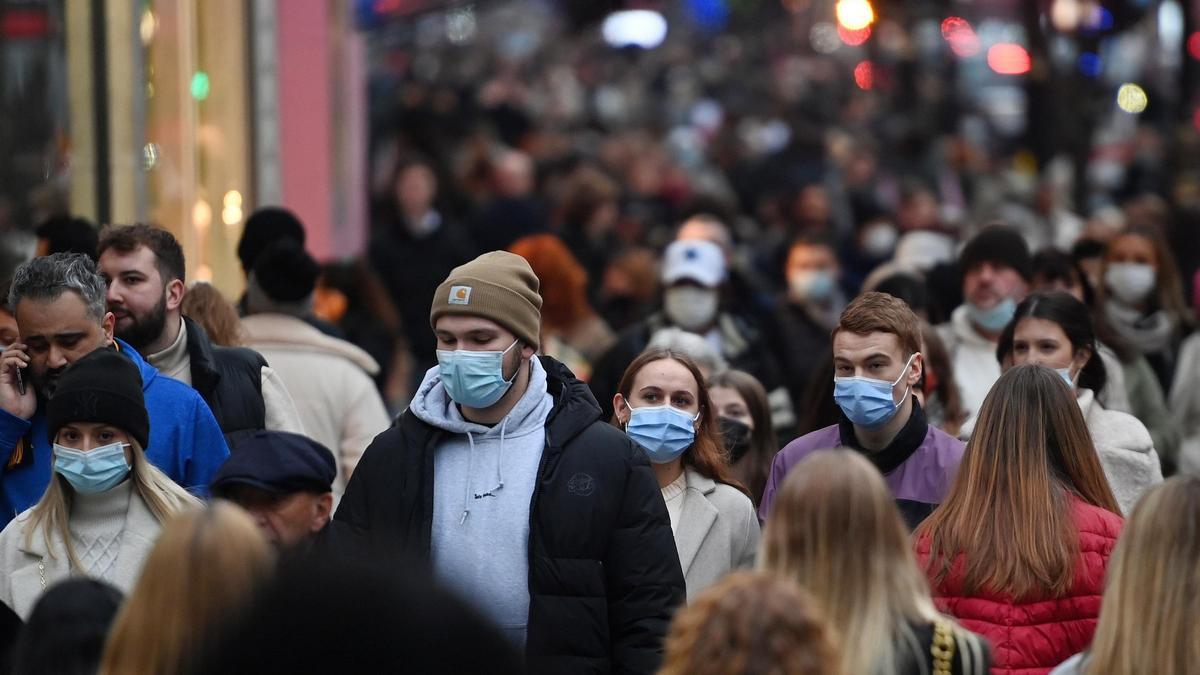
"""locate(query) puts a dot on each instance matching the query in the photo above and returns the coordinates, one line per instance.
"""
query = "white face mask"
(1131, 283)
(879, 240)
(691, 308)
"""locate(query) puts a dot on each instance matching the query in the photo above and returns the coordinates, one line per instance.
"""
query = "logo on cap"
(460, 295)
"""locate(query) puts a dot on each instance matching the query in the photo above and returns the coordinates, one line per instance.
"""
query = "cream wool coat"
(21, 580)
(717, 532)
(1125, 448)
(329, 380)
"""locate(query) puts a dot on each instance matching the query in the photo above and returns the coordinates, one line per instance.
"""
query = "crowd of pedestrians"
(745, 392)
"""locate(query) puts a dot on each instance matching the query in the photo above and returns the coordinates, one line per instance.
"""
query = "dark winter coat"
(229, 380)
(604, 575)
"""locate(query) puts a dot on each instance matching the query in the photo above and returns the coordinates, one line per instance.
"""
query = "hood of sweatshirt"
(433, 405)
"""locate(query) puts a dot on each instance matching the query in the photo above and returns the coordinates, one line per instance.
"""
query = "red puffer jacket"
(1033, 636)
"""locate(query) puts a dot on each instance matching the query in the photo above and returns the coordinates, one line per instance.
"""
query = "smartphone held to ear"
(21, 381)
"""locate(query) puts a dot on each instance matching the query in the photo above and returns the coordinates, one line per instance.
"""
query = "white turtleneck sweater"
(281, 415)
(673, 496)
(97, 521)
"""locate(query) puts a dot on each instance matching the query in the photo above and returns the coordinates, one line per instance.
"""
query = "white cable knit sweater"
(97, 522)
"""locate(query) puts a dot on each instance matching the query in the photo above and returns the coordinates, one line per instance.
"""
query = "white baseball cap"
(698, 260)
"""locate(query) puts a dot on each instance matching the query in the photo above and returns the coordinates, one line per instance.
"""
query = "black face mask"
(736, 436)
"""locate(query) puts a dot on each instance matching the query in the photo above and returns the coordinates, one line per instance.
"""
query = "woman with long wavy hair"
(835, 529)
(1017, 551)
(202, 573)
(1152, 597)
(664, 406)
(105, 504)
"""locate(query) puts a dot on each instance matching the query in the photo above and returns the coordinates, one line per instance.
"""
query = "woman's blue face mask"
(664, 432)
(97, 470)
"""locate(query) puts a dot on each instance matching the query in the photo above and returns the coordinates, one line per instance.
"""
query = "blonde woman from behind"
(201, 575)
(835, 528)
(751, 624)
(1152, 596)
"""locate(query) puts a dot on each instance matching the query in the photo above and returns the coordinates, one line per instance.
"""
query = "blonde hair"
(203, 570)
(751, 623)
(1152, 598)
(52, 512)
(835, 529)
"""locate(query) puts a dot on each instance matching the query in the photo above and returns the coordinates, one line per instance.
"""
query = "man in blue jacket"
(59, 304)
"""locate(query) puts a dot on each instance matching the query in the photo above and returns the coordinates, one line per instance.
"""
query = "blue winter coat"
(185, 441)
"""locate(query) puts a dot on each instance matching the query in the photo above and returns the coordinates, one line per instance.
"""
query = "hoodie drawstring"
(467, 495)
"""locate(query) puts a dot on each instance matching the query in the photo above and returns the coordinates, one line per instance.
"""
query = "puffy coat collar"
(574, 406)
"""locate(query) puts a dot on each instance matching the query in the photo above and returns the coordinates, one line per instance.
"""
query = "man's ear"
(916, 369)
(527, 351)
(321, 512)
(173, 294)
(108, 324)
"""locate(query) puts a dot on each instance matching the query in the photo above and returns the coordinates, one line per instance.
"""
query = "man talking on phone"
(59, 304)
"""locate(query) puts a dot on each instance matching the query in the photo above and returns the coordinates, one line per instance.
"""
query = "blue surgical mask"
(94, 471)
(995, 319)
(815, 285)
(662, 431)
(868, 402)
(1065, 373)
(474, 379)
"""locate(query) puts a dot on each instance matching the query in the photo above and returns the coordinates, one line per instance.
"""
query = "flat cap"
(277, 462)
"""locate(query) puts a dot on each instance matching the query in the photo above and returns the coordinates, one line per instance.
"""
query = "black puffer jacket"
(604, 575)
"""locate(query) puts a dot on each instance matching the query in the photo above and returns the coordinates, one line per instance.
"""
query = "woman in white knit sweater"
(1055, 330)
(105, 503)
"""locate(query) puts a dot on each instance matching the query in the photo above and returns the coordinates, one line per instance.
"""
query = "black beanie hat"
(264, 226)
(286, 272)
(105, 387)
(998, 245)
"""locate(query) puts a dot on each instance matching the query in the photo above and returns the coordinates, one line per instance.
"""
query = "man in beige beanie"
(503, 475)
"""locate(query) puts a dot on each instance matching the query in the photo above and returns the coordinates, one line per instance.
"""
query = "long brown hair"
(205, 305)
(751, 623)
(1152, 597)
(834, 527)
(764, 443)
(707, 453)
(203, 570)
(1030, 451)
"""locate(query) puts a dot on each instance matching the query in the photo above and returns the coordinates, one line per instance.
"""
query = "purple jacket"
(919, 484)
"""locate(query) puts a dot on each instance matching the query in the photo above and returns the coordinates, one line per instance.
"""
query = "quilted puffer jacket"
(1032, 636)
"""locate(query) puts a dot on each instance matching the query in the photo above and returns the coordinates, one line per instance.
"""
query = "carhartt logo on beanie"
(499, 286)
(103, 387)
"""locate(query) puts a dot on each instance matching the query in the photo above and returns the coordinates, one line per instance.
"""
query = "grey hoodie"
(484, 479)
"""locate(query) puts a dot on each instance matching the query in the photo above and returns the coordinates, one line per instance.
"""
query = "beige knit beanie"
(499, 286)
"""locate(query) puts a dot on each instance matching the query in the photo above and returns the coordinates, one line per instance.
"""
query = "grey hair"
(48, 277)
(694, 346)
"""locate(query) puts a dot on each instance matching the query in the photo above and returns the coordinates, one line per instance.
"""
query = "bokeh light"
(1008, 58)
(854, 37)
(864, 75)
(1132, 98)
(961, 37)
(854, 15)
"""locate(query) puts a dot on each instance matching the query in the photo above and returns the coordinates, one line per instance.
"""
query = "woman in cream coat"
(1055, 330)
(663, 404)
(105, 503)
